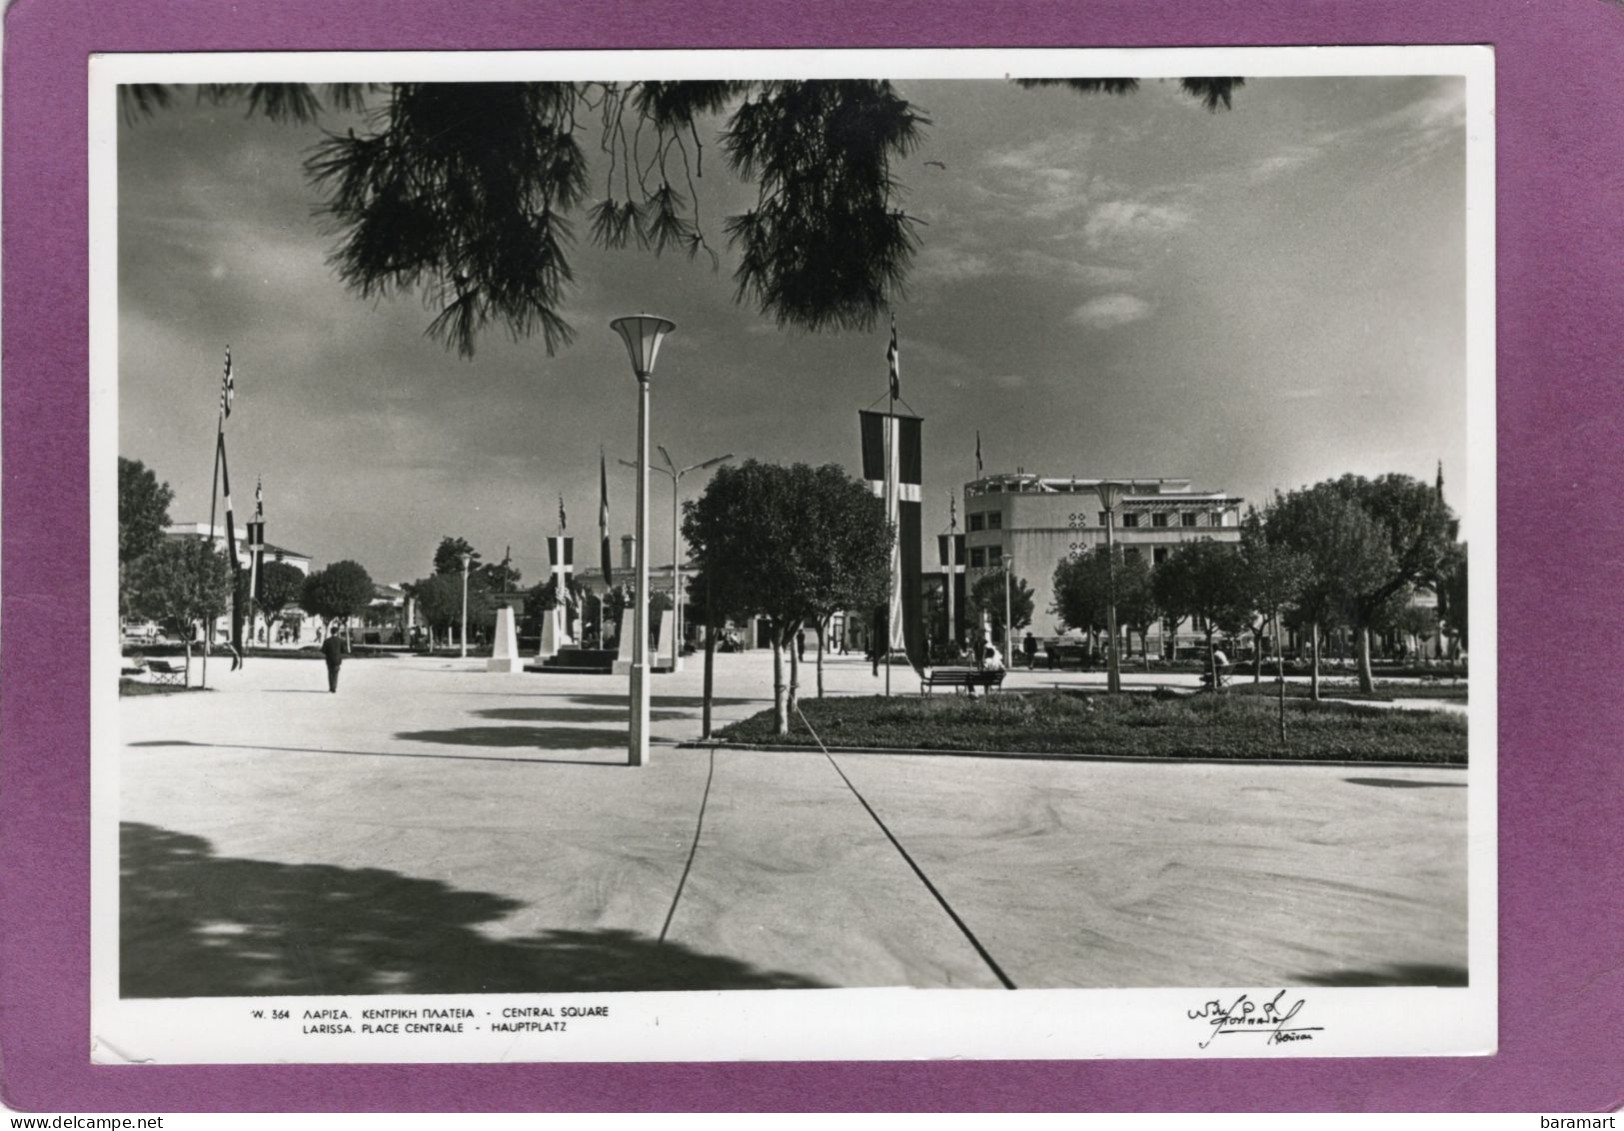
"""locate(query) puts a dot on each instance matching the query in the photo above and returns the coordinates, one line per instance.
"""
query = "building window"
(995, 557)
(1159, 555)
(1129, 521)
(995, 520)
(1187, 519)
(1159, 518)
(978, 558)
(1103, 517)
(1130, 554)
(977, 522)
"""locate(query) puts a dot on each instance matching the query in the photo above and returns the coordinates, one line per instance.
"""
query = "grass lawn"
(1241, 684)
(1139, 725)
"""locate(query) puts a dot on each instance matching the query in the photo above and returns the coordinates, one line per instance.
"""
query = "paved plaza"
(437, 828)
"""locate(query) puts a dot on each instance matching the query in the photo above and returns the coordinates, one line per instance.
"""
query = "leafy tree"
(439, 602)
(180, 583)
(339, 592)
(1205, 580)
(1346, 550)
(143, 513)
(502, 577)
(280, 587)
(464, 192)
(785, 542)
(448, 556)
(1450, 585)
(837, 516)
(1274, 576)
(1081, 585)
(987, 596)
(1412, 620)
(1420, 530)
(1137, 608)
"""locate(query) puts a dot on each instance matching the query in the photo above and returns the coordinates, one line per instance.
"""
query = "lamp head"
(1110, 492)
(643, 334)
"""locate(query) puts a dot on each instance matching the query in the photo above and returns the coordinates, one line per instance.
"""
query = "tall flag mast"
(222, 479)
(892, 465)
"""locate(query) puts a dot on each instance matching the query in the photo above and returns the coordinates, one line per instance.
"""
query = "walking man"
(332, 651)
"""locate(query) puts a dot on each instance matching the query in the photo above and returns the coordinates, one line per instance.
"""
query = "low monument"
(623, 658)
(505, 644)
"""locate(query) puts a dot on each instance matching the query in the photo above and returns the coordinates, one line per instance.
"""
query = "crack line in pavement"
(909, 860)
(699, 827)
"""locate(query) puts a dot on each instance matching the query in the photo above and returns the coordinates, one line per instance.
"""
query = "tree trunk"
(793, 644)
(1314, 658)
(1367, 682)
(1144, 643)
(1212, 660)
(710, 667)
(780, 692)
(188, 676)
(822, 625)
(1280, 674)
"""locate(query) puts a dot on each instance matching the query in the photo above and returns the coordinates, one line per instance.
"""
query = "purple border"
(1561, 421)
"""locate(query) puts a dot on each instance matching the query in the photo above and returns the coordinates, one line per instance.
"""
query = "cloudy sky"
(1254, 300)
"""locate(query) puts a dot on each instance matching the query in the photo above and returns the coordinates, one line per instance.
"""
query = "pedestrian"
(800, 645)
(332, 651)
(1030, 647)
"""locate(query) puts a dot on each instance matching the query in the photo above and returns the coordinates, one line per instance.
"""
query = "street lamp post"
(1110, 494)
(1009, 623)
(642, 334)
(675, 474)
(466, 558)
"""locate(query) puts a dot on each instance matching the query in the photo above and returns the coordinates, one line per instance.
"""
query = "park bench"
(960, 679)
(166, 674)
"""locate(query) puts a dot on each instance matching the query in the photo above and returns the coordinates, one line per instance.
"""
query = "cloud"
(1284, 161)
(1047, 178)
(1121, 221)
(1034, 264)
(950, 263)
(1106, 311)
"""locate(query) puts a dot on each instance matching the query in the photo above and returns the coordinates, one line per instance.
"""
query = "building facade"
(1032, 523)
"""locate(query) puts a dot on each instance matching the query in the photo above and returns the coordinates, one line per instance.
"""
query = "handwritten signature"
(1243, 1015)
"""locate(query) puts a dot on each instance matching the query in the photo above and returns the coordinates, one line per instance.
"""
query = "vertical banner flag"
(561, 553)
(950, 551)
(897, 480)
(231, 544)
(228, 387)
(603, 522)
(563, 519)
(978, 453)
(893, 362)
(256, 545)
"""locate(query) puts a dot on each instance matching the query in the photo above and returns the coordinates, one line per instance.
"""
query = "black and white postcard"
(793, 555)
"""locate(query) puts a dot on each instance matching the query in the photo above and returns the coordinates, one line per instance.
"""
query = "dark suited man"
(332, 650)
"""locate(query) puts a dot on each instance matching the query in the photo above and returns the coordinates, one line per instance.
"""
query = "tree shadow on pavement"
(1401, 783)
(575, 715)
(1393, 974)
(623, 701)
(193, 924)
(544, 738)
(257, 748)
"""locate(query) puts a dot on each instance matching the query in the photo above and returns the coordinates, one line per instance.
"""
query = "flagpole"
(890, 497)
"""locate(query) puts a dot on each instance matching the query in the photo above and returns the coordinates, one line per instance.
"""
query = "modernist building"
(1033, 523)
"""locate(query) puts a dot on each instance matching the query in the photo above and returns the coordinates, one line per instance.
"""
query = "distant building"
(200, 530)
(1036, 522)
